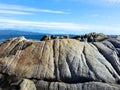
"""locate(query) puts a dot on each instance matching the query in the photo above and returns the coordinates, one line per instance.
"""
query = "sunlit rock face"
(60, 64)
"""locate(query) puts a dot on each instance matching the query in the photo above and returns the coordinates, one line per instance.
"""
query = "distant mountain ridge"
(6, 34)
(17, 32)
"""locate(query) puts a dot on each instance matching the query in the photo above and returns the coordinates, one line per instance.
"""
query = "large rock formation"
(59, 64)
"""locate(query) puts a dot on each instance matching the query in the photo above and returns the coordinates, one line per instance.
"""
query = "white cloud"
(45, 25)
(63, 26)
(14, 12)
(29, 9)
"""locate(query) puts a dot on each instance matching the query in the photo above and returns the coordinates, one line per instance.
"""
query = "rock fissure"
(39, 60)
(90, 66)
(110, 56)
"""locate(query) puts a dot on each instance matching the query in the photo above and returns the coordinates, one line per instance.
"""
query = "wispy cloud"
(38, 25)
(19, 8)
(63, 26)
(14, 12)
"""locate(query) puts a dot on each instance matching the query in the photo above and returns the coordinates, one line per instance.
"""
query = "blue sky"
(61, 16)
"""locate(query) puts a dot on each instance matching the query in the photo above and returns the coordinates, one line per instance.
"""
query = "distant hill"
(6, 34)
(16, 32)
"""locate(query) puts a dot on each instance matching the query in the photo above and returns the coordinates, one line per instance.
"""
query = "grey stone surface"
(27, 85)
(59, 64)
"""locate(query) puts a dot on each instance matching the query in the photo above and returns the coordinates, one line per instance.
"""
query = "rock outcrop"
(90, 37)
(59, 64)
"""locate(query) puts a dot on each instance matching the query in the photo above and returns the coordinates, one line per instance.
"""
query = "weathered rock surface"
(27, 85)
(59, 64)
